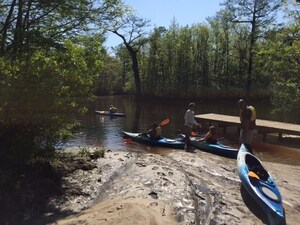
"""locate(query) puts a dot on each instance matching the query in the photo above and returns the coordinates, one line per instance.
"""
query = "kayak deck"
(162, 141)
(220, 148)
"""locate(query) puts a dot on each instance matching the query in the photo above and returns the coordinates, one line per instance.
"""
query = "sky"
(162, 12)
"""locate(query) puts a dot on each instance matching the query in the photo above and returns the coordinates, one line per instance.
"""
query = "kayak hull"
(162, 142)
(263, 188)
(108, 113)
(218, 148)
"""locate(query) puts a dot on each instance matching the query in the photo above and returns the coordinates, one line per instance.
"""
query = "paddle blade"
(253, 175)
(194, 133)
(164, 122)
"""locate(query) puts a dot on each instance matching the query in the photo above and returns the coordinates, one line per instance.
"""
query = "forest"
(52, 54)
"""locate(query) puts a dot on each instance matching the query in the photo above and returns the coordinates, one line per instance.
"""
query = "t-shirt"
(189, 118)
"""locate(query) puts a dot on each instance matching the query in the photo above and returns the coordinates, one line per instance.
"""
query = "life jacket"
(158, 131)
(253, 113)
(212, 139)
(252, 123)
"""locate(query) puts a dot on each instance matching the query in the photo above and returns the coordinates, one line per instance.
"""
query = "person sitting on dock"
(211, 136)
(113, 109)
(154, 132)
(248, 123)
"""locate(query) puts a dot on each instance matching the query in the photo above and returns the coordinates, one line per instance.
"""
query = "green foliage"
(99, 153)
(83, 152)
(38, 97)
(29, 26)
(236, 50)
(93, 154)
(286, 96)
(279, 61)
(45, 66)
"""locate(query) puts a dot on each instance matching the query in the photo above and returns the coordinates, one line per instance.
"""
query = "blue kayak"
(162, 142)
(108, 113)
(261, 186)
(218, 148)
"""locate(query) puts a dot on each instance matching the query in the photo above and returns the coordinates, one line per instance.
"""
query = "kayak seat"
(260, 172)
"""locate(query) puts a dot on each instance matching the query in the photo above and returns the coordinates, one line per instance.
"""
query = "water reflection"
(107, 131)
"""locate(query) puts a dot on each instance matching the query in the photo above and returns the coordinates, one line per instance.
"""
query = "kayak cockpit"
(256, 167)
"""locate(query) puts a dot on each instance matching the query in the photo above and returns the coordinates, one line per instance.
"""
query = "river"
(106, 132)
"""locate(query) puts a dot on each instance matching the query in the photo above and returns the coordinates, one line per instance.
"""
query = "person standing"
(248, 123)
(189, 123)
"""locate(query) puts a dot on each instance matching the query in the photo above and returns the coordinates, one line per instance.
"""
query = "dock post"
(264, 137)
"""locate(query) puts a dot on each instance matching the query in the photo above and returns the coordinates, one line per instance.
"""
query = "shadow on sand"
(252, 205)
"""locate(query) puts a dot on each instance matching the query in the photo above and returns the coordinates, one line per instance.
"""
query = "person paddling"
(113, 109)
(211, 136)
(154, 132)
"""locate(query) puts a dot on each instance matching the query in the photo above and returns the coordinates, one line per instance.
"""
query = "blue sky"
(162, 12)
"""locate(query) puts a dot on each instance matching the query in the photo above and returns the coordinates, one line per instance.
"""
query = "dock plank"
(263, 126)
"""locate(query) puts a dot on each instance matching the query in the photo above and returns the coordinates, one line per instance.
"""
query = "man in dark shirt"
(248, 123)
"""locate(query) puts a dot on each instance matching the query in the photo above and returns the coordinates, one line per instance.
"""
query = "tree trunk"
(18, 35)
(251, 55)
(135, 69)
(5, 27)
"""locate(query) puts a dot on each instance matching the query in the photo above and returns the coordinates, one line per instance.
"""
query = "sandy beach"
(171, 188)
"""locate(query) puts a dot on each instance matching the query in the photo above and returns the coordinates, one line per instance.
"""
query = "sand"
(177, 188)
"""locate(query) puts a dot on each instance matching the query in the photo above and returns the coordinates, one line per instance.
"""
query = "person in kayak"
(189, 123)
(113, 109)
(211, 136)
(248, 123)
(154, 132)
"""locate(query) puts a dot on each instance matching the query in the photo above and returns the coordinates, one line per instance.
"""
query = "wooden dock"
(263, 126)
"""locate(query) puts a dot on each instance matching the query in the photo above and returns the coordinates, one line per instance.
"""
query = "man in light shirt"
(189, 123)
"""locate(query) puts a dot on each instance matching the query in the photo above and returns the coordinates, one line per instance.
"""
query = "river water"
(106, 132)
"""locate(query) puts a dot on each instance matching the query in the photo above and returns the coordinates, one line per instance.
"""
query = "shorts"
(247, 139)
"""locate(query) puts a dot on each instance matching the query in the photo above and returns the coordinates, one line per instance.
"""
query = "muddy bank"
(176, 188)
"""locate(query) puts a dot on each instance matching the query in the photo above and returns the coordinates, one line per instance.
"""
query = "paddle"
(194, 133)
(164, 122)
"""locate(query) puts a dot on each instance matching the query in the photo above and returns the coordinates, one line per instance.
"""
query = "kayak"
(162, 142)
(219, 148)
(108, 113)
(261, 186)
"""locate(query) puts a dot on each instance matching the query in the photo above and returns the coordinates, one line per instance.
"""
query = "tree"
(45, 65)
(131, 29)
(156, 63)
(28, 25)
(279, 59)
(221, 42)
(259, 14)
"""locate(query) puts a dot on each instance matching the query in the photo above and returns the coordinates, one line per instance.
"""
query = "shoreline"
(174, 188)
